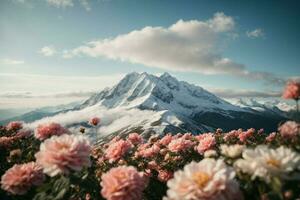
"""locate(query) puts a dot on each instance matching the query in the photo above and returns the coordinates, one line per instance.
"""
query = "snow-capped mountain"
(272, 105)
(158, 104)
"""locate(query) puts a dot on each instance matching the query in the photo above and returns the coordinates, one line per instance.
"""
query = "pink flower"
(271, 137)
(60, 154)
(45, 131)
(187, 136)
(135, 138)
(15, 125)
(165, 140)
(20, 178)
(292, 90)
(123, 183)
(180, 144)
(116, 150)
(231, 135)
(243, 136)
(164, 175)
(94, 121)
(206, 143)
(150, 151)
(289, 129)
(6, 141)
(23, 133)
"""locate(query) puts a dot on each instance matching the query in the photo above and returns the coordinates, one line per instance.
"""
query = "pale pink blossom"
(23, 133)
(271, 137)
(6, 141)
(94, 121)
(60, 154)
(165, 140)
(117, 150)
(232, 135)
(164, 175)
(20, 178)
(289, 129)
(135, 138)
(207, 180)
(15, 125)
(44, 131)
(180, 144)
(153, 165)
(206, 142)
(292, 90)
(187, 136)
(243, 136)
(123, 183)
(150, 151)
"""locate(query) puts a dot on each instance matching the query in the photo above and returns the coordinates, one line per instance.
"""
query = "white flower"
(264, 162)
(208, 180)
(210, 154)
(232, 151)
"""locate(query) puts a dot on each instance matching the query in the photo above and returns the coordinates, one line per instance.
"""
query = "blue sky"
(220, 45)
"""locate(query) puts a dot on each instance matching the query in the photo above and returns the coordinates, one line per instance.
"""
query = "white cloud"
(8, 61)
(48, 51)
(184, 46)
(112, 120)
(69, 3)
(230, 93)
(60, 3)
(256, 33)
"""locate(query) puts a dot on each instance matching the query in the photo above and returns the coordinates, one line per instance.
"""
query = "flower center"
(201, 179)
(273, 162)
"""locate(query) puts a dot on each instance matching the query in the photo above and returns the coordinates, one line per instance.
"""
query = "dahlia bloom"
(164, 175)
(6, 141)
(232, 151)
(123, 183)
(60, 154)
(231, 135)
(117, 149)
(265, 163)
(243, 136)
(207, 180)
(15, 125)
(271, 137)
(289, 129)
(44, 131)
(165, 140)
(135, 138)
(149, 152)
(23, 133)
(292, 90)
(20, 178)
(206, 142)
(180, 144)
(210, 154)
(94, 121)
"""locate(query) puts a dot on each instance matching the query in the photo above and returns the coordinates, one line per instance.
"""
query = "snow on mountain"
(263, 104)
(151, 104)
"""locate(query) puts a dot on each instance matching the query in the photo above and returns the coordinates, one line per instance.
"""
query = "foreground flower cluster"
(53, 163)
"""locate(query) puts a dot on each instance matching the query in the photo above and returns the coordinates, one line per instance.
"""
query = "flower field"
(52, 163)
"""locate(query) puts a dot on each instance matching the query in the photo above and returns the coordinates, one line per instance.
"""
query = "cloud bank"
(192, 46)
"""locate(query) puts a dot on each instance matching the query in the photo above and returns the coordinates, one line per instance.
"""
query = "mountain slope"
(150, 104)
